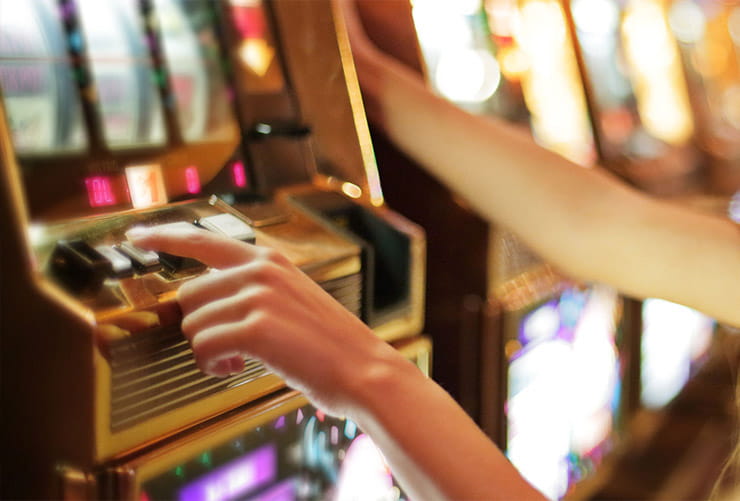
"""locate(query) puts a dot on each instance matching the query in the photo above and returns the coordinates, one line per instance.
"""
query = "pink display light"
(100, 191)
(192, 180)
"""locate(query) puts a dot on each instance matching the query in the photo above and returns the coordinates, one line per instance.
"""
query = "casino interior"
(245, 118)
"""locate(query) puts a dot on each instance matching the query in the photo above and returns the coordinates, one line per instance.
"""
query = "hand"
(257, 304)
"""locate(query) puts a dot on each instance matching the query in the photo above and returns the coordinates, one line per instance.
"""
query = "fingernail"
(235, 365)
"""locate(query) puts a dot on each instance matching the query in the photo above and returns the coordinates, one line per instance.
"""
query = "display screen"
(675, 340)
(194, 66)
(564, 388)
(40, 96)
(302, 455)
(121, 67)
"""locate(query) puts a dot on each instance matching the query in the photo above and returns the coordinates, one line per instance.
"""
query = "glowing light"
(350, 429)
(234, 479)
(467, 75)
(334, 435)
(543, 25)
(280, 423)
(734, 209)
(192, 180)
(687, 21)
(299, 417)
(596, 16)
(99, 191)
(146, 185)
(320, 414)
(541, 324)
(673, 337)
(438, 27)
(513, 62)
(660, 85)
(502, 17)
(351, 190)
(364, 473)
(257, 55)
(249, 18)
(239, 175)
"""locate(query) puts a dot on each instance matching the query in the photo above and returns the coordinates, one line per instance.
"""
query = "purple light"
(192, 180)
(234, 479)
(334, 435)
(284, 491)
(280, 423)
(239, 175)
(299, 417)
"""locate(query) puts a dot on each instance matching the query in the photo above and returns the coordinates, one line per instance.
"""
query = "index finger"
(187, 240)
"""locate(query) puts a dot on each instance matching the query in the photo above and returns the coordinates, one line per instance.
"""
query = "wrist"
(378, 379)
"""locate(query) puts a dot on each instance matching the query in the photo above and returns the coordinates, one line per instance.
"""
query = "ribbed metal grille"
(155, 372)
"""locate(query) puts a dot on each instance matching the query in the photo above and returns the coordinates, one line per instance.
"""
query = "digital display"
(146, 185)
(38, 90)
(675, 340)
(194, 65)
(564, 388)
(100, 191)
(302, 455)
(121, 67)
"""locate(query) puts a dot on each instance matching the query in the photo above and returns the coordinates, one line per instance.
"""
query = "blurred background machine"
(608, 82)
(242, 117)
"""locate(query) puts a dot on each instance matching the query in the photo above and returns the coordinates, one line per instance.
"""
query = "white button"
(229, 225)
(121, 264)
(145, 258)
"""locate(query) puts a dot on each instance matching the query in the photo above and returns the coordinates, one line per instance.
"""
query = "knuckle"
(272, 256)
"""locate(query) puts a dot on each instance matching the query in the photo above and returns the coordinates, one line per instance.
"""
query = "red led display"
(100, 191)
(192, 180)
(249, 20)
(239, 175)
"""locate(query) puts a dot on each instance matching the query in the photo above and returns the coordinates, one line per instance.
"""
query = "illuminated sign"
(146, 185)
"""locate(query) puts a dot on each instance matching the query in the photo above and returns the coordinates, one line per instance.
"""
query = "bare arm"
(259, 305)
(582, 220)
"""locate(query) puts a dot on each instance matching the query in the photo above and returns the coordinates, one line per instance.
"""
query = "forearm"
(582, 220)
(432, 446)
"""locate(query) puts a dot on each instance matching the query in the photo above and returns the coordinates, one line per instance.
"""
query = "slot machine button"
(145, 261)
(79, 267)
(173, 263)
(229, 225)
(121, 265)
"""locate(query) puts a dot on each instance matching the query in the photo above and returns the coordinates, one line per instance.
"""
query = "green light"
(180, 471)
(205, 459)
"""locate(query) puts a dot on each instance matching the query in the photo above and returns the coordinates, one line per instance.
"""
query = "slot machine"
(709, 46)
(278, 449)
(507, 320)
(653, 146)
(638, 97)
(242, 117)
